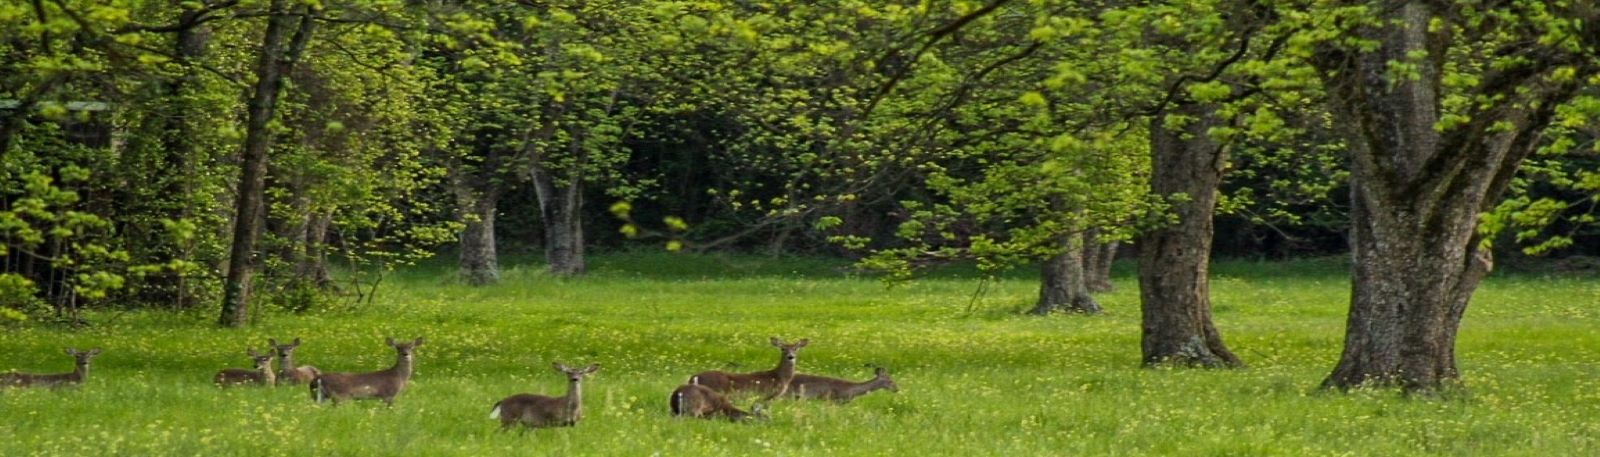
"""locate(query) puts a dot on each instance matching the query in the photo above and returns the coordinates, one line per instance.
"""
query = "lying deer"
(839, 390)
(262, 373)
(695, 400)
(79, 373)
(541, 411)
(771, 382)
(288, 373)
(383, 385)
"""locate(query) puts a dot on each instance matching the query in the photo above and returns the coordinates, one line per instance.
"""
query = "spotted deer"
(262, 373)
(839, 390)
(542, 411)
(288, 373)
(771, 382)
(79, 373)
(699, 401)
(383, 385)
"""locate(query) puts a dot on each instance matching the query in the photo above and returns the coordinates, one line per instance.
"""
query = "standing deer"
(771, 382)
(288, 372)
(541, 411)
(695, 400)
(262, 373)
(839, 390)
(383, 385)
(79, 373)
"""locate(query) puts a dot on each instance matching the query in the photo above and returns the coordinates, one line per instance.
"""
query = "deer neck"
(80, 372)
(268, 375)
(402, 365)
(574, 398)
(785, 370)
(286, 362)
(856, 389)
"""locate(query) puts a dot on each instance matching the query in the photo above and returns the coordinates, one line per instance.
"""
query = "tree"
(1439, 106)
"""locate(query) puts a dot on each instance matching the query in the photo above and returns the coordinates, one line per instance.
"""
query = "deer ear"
(777, 342)
(72, 352)
(296, 341)
(272, 342)
(558, 366)
(94, 352)
(593, 367)
(881, 372)
(802, 343)
(417, 342)
(389, 341)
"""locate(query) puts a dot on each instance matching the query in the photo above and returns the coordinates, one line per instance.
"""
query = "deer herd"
(706, 394)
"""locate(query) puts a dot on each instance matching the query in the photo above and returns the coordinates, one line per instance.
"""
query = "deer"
(288, 373)
(80, 373)
(773, 382)
(840, 391)
(262, 373)
(383, 385)
(537, 411)
(694, 400)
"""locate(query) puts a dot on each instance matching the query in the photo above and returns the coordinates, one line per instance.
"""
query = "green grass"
(976, 378)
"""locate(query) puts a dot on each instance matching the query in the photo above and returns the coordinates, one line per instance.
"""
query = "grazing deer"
(288, 372)
(771, 382)
(79, 373)
(262, 373)
(541, 411)
(383, 385)
(839, 390)
(695, 400)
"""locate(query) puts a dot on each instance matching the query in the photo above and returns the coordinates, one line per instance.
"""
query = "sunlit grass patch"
(976, 377)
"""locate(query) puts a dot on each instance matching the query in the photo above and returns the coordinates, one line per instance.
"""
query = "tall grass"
(976, 376)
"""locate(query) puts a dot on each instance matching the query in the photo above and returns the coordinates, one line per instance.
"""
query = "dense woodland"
(227, 156)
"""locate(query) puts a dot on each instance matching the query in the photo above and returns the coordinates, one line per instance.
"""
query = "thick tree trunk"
(1417, 188)
(1063, 284)
(272, 65)
(1097, 259)
(1174, 261)
(560, 206)
(480, 263)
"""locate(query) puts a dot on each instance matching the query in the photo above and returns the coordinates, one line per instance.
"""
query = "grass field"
(976, 377)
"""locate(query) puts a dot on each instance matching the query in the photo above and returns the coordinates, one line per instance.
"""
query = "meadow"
(976, 377)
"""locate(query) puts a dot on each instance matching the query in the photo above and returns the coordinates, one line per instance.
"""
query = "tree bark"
(1063, 283)
(560, 208)
(1174, 261)
(1097, 260)
(272, 65)
(1417, 189)
(479, 263)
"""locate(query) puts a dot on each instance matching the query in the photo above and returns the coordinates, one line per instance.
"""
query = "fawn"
(695, 400)
(541, 411)
(79, 373)
(383, 385)
(839, 390)
(772, 382)
(288, 373)
(262, 373)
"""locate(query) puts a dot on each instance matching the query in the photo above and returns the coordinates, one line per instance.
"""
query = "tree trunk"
(480, 263)
(1097, 260)
(1063, 284)
(560, 208)
(314, 263)
(178, 149)
(1174, 261)
(272, 65)
(1417, 188)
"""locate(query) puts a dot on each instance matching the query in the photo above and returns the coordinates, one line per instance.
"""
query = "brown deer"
(839, 390)
(695, 400)
(262, 373)
(383, 385)
(541, 411)
(771, 382)
(79, 373)
(288, 373)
